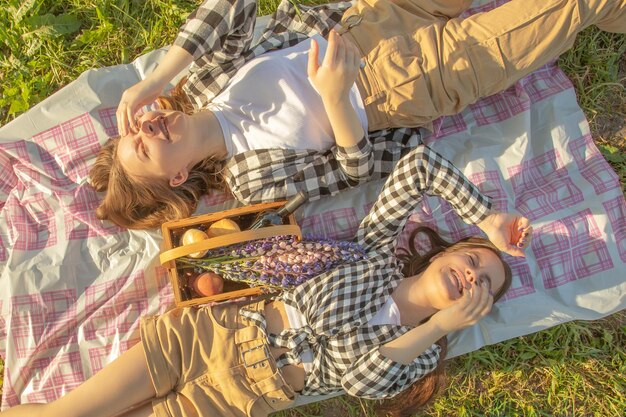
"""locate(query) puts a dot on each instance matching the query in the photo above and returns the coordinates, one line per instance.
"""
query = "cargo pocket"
(486, 61)
(397, 64)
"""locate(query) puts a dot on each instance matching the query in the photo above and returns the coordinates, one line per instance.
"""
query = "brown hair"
(136, 203)
(425, 389)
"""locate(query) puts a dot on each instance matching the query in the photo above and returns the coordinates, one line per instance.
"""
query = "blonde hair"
(136, 203)
(425, 389)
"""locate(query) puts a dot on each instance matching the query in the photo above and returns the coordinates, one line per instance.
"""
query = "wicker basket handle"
(230, 239)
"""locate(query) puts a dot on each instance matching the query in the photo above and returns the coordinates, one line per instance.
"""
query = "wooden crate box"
(244, 217)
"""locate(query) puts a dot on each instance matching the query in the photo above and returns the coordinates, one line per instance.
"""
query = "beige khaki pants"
(422, 61)
(211, 362)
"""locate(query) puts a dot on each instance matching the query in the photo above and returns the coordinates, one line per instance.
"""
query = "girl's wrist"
(175, 60)
(336, 102)
(441, 328)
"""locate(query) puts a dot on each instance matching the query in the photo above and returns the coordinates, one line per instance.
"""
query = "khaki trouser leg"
(486, 53)
(417, 72)
(383, 19)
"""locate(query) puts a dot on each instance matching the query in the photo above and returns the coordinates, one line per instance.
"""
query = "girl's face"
(162, 148)
(450, 274)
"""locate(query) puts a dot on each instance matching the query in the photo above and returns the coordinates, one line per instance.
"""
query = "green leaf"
(612, 154)
(51, 25)
(18, 105)
(66, 24)
(88, 37)
(102, 16)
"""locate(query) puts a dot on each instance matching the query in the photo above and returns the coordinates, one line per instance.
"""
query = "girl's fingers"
(121, 116)
(130, 114)
(313, 64)
(354, 56)
(525, 238)
(476, 293)
(342, 52)
(346, 52)
(486, 308)
(523, 223)
(120, 122)
(331, 51)
(485, 299)
(480, 300)
(527, 233)
(460, 306)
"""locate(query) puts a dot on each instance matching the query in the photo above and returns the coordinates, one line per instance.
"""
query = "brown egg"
(193, 236)
(222, 227)
(207, 284)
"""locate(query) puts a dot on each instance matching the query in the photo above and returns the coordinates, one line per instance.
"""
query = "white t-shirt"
(389, 314)
(271, 103)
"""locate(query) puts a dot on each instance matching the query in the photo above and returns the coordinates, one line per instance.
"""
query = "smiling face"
(449, 274)
(163, 147)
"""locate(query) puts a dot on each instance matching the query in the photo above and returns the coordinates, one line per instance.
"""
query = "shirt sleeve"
(356, 162)
(277, 174)
(420, 171)
(220, 29)
(374, 376)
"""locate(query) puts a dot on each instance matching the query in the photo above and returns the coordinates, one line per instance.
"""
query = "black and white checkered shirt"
(276, 174)
(338, 305)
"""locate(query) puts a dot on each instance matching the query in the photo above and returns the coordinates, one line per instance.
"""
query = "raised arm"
(147, 90)
(333, 80)
(467, 311)
(218, 31)
(420, 171)
(389, 369)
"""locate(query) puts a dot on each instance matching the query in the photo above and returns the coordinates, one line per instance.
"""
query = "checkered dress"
(338, 305)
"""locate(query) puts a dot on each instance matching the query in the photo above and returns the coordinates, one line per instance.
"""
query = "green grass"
(575, 369)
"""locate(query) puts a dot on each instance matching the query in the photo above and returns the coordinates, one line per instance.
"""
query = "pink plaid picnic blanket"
(73, 288)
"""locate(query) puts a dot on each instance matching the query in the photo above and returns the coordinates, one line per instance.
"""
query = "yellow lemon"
(223, 227)
(193, 236)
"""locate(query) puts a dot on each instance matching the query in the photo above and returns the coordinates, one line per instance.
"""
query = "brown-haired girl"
(396, 66)
(372, 328)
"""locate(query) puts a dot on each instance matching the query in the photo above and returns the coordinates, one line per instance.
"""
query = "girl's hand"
(133, 99)
(340, 67)
(146, 91)
(467, 311)
(511, 233)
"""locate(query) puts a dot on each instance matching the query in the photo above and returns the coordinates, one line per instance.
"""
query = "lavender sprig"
(278, 262)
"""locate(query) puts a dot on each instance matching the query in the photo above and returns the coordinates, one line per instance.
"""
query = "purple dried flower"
(280, 261)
